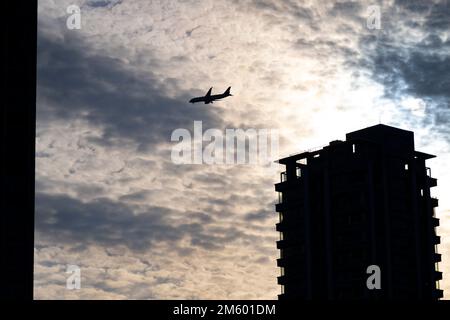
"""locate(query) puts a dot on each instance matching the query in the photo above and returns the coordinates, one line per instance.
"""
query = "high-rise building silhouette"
(17, 150)
(353, 204)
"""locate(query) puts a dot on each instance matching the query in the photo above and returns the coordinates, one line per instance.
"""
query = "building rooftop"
(393, 139)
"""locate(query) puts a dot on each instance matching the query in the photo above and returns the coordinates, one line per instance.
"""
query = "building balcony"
(434, 202)
(438, 293)
(437, 257)
(283, 206)
(281, 280)
(435, 222)
(437, 239)
(279, 187)
(280, 207)
(291, 225)
(281, 262)
(296, 261)
(437, 275)
(280, 226)
(283, 244)
(291, 205)
(432, 182)
(288, 184)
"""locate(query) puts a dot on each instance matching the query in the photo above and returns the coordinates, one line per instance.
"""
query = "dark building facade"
(17, 149)
(356, 203)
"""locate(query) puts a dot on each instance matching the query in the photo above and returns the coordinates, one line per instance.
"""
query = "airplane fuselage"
(210, 98)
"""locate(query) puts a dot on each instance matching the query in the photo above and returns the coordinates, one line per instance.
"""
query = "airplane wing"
(208, 94)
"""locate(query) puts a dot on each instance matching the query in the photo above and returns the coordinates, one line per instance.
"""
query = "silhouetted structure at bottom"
(356, 203)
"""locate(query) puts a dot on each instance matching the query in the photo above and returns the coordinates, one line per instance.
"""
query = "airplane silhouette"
(208, 98)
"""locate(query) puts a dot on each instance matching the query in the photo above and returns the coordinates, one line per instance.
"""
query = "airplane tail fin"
(228, 91)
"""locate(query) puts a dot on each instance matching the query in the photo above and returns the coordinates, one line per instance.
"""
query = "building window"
(406, 166)
(353, 148)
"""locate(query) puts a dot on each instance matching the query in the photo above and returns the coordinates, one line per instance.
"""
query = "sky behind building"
(109, 95)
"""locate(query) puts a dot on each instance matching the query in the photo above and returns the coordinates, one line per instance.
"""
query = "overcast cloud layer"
(108, 197)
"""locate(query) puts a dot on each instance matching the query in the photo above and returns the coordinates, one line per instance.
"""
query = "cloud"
(103, 3)
(75, 83)
(102, 221)
(435, 13)
(417, 71)
(412, 62)
(108, 223)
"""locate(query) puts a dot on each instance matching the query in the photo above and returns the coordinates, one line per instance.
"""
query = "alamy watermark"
(232, 146)
(374, 280)
(74, 19)
(373, 20)
(73, 281)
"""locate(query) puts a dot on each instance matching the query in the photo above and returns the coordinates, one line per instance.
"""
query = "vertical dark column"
(328, 248)
(307, 229)
(18, 114)
(387, 225)
(372, 222)
(413, 170)
(291, 170)
(430, 234)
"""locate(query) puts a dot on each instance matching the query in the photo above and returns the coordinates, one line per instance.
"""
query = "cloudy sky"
(110, 200)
